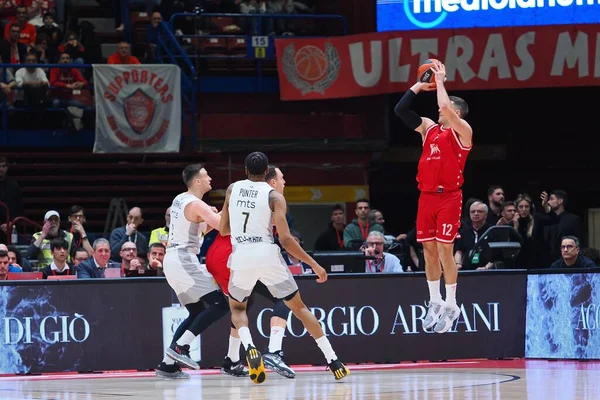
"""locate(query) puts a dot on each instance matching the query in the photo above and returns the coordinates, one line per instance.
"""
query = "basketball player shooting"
(248, 213)
(446, 146)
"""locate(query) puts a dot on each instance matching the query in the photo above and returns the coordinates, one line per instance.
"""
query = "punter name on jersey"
(247, 200)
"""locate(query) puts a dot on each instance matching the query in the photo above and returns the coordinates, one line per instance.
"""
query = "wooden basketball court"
(473, 380)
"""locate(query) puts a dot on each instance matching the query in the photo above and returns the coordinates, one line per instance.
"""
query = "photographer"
(383, 262)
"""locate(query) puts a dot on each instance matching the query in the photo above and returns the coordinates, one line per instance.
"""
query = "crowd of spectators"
(549, 237)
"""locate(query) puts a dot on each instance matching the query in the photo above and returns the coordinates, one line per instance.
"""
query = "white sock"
(168, 361)
(434, 291)
(326, 348)
(276, 339)
(245, 337)
(451, 294)
(187, 338)
(234, 349)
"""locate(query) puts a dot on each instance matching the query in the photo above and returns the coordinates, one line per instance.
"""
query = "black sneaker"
(181, 354)
(170, 371)
(237, 369)
(275, 362)
(338, 369)
(256, 367)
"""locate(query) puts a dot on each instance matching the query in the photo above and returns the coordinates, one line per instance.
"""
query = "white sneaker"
(434, 312)
(451, 313)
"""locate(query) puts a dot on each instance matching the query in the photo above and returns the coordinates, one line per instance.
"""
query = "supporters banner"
(563, 316)
(378, 318)
(387, 62)
(138, 108)
(82, 325)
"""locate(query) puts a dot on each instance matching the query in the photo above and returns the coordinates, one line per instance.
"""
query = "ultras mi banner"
(138, 108)
(379, 319)
(387, 62)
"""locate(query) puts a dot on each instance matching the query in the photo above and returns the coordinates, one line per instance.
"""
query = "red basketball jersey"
(443, 160)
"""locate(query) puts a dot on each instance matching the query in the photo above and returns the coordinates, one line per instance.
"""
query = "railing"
(167, 43)
(23, 221)
(259, 18)
(85, 97)
(6, 108)
(258, 48)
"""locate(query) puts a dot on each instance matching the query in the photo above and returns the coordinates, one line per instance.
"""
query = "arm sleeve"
(402, 109)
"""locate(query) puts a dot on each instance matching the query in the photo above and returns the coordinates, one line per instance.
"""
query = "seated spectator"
(59, 266)
(384, 262)
(72, 47)
(129, 257)
(129, 233)
(4, 266)
(51, 30)
(16, 259)
(40, 243)
(8, 9)
(571, 258)
(80, 236)
(67, 82)
(123, 56)
(37, 9)
(96, 266)
(465, 257)
(33, 82)
(357, 231)
(6, 85)
(12, 50)
(80, 256)
(45, 54)
(11, 267)
(156, 257)
(161, 235)
(27, 32)
(249, 24)
(333, 237)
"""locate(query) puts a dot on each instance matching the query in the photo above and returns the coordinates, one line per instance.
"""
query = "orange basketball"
(425, 73)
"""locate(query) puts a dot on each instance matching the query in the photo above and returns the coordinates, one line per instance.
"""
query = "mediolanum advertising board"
(441, 14)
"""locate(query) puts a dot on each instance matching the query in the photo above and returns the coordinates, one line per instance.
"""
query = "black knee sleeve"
(195, 308)
(290, 296)
(280, 309)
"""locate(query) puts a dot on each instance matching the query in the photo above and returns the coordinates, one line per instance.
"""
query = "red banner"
(387, 62)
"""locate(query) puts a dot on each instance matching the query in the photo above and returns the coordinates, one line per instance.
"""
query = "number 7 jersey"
(250, 216)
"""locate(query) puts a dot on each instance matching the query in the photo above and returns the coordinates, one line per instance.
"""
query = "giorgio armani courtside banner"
(81, 326)
(563, 316)
(379, 319)
(484, 58)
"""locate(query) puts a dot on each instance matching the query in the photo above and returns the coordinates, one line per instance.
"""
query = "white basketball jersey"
(184, 234)
(250, 215)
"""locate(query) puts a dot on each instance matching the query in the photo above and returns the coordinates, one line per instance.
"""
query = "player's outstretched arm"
(460, 126)
(224, 227)
(409, 117)
(279, 207)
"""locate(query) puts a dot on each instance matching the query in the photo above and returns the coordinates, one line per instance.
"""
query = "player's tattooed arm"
(224, 227)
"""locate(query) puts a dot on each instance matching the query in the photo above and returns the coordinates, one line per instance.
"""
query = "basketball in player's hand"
(426, 75)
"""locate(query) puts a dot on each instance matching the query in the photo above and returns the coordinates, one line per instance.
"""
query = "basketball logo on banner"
(138, 108)
(310, 69)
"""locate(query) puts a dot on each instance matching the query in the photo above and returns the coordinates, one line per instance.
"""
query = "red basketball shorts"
(216, 261)
(438, 216)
